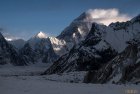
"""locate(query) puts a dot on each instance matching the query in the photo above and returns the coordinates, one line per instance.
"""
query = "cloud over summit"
(107, 16)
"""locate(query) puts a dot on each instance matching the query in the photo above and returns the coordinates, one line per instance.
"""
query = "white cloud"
(107, 16)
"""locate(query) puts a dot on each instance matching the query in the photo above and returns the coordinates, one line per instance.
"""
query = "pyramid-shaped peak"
(41, 35)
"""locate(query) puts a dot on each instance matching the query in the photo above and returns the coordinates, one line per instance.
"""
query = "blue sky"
(24, 18)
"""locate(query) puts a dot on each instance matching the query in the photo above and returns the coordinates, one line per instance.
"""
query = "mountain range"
(108, 53)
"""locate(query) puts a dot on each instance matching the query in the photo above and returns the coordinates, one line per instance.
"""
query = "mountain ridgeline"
(109, 53)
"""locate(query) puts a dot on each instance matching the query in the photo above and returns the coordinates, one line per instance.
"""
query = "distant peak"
(41, 35)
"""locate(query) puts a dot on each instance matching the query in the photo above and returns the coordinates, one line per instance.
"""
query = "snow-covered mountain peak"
(41, 35)
(38, 38)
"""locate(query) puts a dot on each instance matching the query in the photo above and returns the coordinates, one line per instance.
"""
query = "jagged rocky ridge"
(9, 55)
(41, 48)
(77, 30)
(103, 49)
(124, 68)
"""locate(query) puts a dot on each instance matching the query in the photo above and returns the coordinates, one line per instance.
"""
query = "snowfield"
(27, 80)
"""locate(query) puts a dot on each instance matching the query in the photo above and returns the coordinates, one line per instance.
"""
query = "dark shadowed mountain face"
(77, 30)
(125, 67)
(8, 54)
(85, 56)
(39, 49)
(108, 53)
